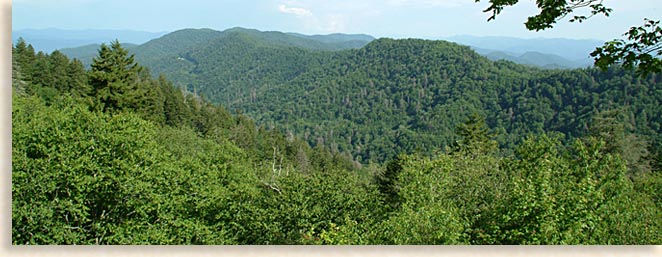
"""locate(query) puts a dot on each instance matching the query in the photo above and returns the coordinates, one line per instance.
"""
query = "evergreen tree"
(613, 127)
(174, 107)
(41, 71)
(42, 79)
(60, 78)
(387, 181)
(113, 77)
(476, 138)
(23, 53)
(78, 78)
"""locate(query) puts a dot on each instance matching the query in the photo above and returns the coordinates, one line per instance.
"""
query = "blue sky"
(386, 18)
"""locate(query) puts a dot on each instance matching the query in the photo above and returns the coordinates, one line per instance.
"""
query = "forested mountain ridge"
(331, 42)
(542, 52)
(112, 155)
(178, 42)
(177, 54)
(392, 96)
(396, 96)
(349, 41)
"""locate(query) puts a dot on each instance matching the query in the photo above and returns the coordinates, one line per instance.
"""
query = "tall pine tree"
(113, 77)
(120, 84)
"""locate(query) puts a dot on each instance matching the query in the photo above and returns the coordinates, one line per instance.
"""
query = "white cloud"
(300, 12)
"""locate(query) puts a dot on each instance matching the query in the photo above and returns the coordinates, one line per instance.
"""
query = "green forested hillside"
(173, 46)
(239, 59)
(113, 155)
(395, 96)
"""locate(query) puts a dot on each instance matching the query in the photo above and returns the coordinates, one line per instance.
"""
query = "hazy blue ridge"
(575, 52)
(48, 40)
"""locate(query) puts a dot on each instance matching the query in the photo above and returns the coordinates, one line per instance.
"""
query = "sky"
(429, 19)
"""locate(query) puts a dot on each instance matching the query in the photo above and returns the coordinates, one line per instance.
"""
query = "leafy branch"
(641, 50)
(550, 11)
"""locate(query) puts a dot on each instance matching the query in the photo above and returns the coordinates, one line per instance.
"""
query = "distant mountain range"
(159, 51)
(536, 59)
(48, 40)
(541, 52)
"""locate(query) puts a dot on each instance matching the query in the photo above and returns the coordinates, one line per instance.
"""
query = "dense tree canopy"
(393, 96)
(168, 167)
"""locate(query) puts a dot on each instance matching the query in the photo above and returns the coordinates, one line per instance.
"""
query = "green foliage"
(424, 215)
(569, 198)
(23, 53)
(551, 11)
(114, 78)
(18, 81)
(434, 223)
(384, 99)
(615, 129)
(76, 174)
(47, 75)
(391, 96)
(475, 137)
(642, 50)
(169, 167)
(114, 177)
(531, 195)
(387, 181)
(296, 208)
(175, 111)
